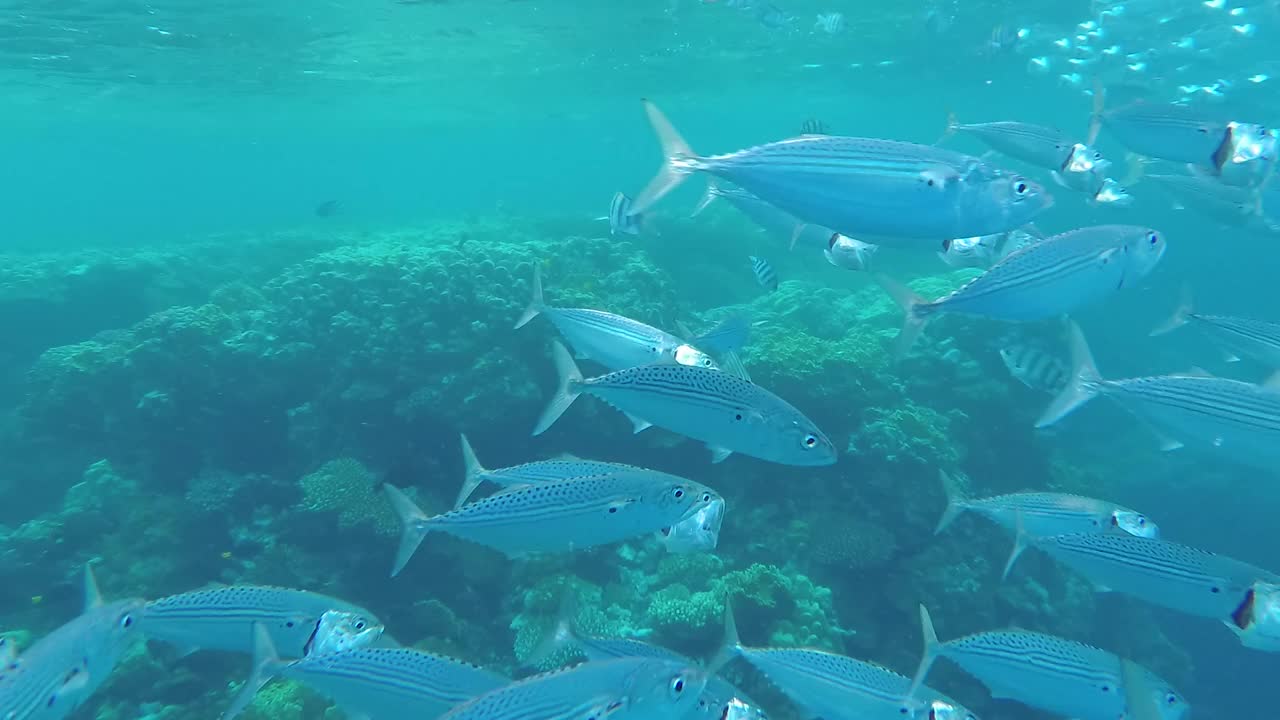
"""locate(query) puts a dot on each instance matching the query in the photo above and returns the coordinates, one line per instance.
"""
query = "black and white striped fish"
(765, 274)
(830, 23)
(1035, 367)
(621, 219)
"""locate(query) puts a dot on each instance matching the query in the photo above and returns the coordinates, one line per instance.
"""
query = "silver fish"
(558, 515)
(883, 191)
(1041, 514)
(700, 532)
(340, 630)
(1053, 674)
(848, 253)
(1249, 159)
(1038, 145)
(716, 696)
(1256, 621)
(1157, 571)
(372, 683)
(222, 618)
(527, 473)
(764, 272)
(1165, 131)
(65, 668)
(1036, 367)
(728, 413)
(828, 685)
(619, 689)
(1239, 418)
(985, 250)
(1043, 280)
(778, 223)
(1258, 339)
(614, 341)
(1234, 206)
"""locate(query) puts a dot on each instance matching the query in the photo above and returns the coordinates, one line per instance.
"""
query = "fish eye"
(810, 440)
(706, 362)
(677, 685)
(679, 493)
(1020, 187)
(126, 622)
(1153, 239)
(706, 497)
(359, 624)
(1171, 699)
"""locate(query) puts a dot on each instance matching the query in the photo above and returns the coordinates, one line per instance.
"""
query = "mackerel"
(372, 683)
(1178, 577)
(530, 472)
(223, 618)
(1045, 147)
(558, 515)
(881, 191)
(1258, 339)
(1042, 280)
(62, 670)
(1043, 514)
(726, 412)
(1060, 676)
(1237, 418)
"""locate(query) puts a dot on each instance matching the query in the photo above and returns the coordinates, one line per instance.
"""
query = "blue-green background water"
(526, 114)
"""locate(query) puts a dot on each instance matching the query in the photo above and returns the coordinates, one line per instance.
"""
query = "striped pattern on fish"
(1258, 339)
(1157, 571)
(223, 618)
(726, 412)
(764, 272)
(63, 669)
(638, 688)
(1168, 132)
(1044, 147)
(621, 219)
(1057, 675)
(530, 472)
(897, 192)
(1043, 280)
(559, 515)
(1240, 419)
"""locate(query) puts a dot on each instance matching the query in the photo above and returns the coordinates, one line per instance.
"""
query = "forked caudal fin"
(929, 654)
(676, 157)
(535, 303)
(911, 304)
(411, 521)
(708, 196)
(1083, 385)
(731, 646)
(265, 661)
(567, 390)
(474, 473)
(956, 501)
(1180, 315)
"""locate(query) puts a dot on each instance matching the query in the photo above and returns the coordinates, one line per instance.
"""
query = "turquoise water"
(191, 338)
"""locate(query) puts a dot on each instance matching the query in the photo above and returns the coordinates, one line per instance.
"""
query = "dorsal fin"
(92, 596)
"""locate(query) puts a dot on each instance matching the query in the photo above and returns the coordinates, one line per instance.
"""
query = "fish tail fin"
(953, 124)
(412, 520)
(566, 392)
(930, 653)
(914, 307)
(561, 636)
(264, 659)
(956, 501)
(676, 155)
(708, 196)
(1083, 385)
(474, 472)
(535, 303)
(1019, 544)
(731, 645)
(730, 335)
(1180, 314)
(1095, 117)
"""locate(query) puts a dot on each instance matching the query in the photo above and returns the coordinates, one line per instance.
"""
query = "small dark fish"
(771, 17)
(830, 23)
(814, 127)
(328, 208)
(765, 274)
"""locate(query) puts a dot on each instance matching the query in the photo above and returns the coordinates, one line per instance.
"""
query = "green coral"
(346, 487)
